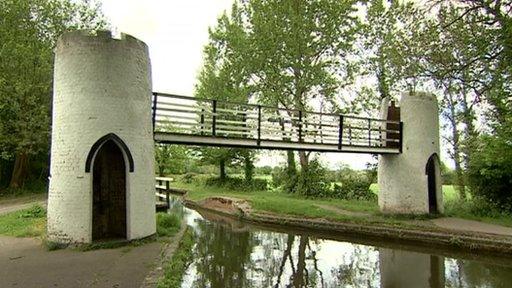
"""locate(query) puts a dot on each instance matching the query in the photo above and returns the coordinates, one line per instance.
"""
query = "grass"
(167, 225)
(29, 222)
(283, 203)
(175, 269)
(288, 204)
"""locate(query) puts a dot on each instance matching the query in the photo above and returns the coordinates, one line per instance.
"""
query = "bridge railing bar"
(274, 108)
(193, 116)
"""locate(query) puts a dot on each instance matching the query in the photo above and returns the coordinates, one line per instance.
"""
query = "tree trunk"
(222, 168)
(291, 169)
(456, 154)
(299, 277)
(304, 160)
(248, 169)
(20, 171)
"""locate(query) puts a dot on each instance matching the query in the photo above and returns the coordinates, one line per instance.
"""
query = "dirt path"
(25, 263)
(15, 204)
(342, 211)
(471, 226)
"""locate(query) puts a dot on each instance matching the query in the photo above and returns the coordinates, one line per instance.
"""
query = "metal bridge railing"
(176, 114)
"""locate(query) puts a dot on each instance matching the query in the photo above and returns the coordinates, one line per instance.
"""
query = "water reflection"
(229, 253)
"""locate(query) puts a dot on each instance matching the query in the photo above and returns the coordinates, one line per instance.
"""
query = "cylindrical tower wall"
(403, 180)
(101, 86)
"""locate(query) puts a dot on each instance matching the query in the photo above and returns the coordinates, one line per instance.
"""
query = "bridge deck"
(189, 120)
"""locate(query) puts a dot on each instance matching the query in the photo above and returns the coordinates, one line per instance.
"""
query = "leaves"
(28, 32)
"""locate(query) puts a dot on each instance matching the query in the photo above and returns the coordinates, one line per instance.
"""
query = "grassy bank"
(335, 209)
(175, 269)
(24, 223)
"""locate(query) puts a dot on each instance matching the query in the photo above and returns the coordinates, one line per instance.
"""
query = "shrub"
(489, 173)
(167, 224)
(355, 187)
(35, 211)
(310, 182)
(238, 183)
(189, 178)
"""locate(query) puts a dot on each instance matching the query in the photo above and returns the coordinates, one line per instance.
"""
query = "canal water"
(229, 253)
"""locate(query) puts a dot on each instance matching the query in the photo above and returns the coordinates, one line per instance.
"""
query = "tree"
(297, 53)
(224, 77)
(28, 32)
(388, 50)
(467, 60)
(171, 159)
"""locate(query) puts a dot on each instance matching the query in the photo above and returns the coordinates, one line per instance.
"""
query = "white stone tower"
(410, 182)
(102, 154)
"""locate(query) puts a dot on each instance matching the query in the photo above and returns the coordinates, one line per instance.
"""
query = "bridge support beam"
(410, 182)
(102, 154)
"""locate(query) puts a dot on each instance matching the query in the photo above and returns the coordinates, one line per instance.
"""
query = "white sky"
(176, 32)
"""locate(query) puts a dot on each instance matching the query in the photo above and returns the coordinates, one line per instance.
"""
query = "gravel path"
(25, 263)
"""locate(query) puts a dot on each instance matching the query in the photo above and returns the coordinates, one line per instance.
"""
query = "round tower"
(410, 182)
(102, 153)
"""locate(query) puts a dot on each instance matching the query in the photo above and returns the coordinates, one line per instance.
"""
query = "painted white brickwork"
(101, 86)
(403, 185)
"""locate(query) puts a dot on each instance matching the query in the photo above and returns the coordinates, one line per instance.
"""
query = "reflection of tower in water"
(400, 268)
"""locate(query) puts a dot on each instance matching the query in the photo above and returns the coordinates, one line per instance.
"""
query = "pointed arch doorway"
(109, 188)
(431, 171)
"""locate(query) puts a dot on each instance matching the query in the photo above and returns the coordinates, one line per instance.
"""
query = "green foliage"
(448, 175)
(167, 224)
(29, 222)
(238, 183)
(171, 159)
(188, 178)
(35, 211)
(489, 173)
(28, 32)
(310, 181)
(175, 269)
(354, 187)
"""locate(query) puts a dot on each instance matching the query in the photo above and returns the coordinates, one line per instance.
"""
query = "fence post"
(214, 116)
(340, 133)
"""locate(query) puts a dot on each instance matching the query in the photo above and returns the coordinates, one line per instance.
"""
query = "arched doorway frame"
(129, 168)
(432, 173)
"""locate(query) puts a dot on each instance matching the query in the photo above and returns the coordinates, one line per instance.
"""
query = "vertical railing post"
(259, 125)
(401, 130)
(340, 133)
(155, 95)
(380, 135)
(202, 121)
(369, 132)
(214, 116)
(300, 125)
(349, 135)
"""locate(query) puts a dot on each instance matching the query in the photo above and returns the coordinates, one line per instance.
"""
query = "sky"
(176, 32)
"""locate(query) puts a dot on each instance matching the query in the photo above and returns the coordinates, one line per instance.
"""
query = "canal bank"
(428, 235)
(231, 252)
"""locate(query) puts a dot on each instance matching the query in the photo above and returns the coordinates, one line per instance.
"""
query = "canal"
(230, 253)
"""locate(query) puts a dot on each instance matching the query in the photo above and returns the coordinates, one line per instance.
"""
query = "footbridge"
(106, 120)
(189, 120)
